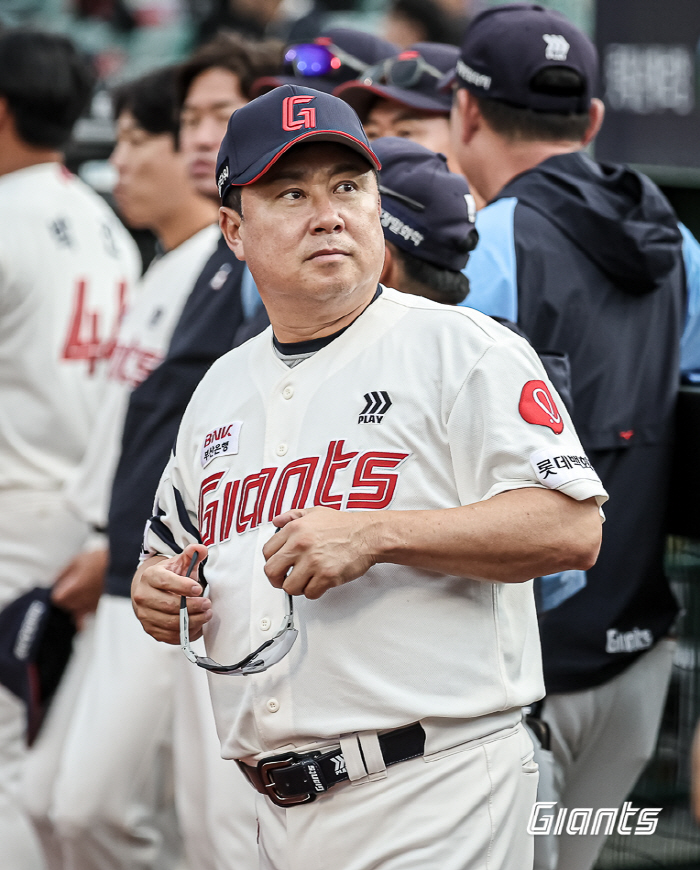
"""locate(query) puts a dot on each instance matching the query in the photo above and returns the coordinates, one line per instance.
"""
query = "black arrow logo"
(377, 404)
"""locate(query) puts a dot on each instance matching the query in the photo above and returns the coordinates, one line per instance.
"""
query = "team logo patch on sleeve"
(221, 442)
(538, 407)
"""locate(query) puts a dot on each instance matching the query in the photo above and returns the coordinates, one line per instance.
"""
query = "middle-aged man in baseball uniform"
(382, 723)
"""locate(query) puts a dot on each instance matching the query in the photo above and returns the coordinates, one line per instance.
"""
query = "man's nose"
(208, 134)
(116, 158)
(327, 217)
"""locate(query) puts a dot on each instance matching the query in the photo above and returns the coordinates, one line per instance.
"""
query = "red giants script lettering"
(254, 500)
(306, 117)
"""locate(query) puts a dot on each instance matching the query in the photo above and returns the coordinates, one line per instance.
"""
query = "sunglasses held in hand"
(266, 655)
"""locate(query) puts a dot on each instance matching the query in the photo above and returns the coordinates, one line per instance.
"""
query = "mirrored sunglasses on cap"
(269, 653)
(321, 58)
(404, 71)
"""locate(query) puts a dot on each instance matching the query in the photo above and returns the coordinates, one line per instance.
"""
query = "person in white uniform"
(121, 814)
(99, 779)
(399, 447)
(67, 267)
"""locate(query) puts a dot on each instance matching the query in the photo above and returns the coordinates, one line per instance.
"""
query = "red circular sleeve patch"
(538, 407)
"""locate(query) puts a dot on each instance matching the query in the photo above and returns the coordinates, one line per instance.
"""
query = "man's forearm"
(509, 538)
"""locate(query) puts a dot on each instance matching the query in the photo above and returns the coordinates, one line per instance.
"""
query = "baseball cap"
(412, 78)
(427, 210)
(506, 50)
(338, 55)
(36, 639)
(259, 133)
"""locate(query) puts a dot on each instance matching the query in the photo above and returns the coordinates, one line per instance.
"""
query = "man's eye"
(292, 194)
(346, 187)
(132, 139)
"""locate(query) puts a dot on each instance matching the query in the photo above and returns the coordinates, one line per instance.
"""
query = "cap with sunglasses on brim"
(411, 78)
(529, 57)
(259, 133)
(339, 55)
(427, 211)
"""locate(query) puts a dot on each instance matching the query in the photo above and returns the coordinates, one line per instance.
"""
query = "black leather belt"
(298, 778)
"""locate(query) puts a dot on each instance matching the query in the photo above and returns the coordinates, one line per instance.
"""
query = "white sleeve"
(509, 429)
(174, 522)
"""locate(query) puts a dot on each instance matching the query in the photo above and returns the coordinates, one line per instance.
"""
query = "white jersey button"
(281, 449)
(288, 392)
(265, 623)
(273, 705)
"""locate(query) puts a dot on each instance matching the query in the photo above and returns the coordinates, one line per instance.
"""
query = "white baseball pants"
(465, 809)
(104, 782)
(38, 536)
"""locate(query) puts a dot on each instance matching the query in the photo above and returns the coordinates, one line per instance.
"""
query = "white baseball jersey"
(67, 267)
(143, 339)
(414, 406)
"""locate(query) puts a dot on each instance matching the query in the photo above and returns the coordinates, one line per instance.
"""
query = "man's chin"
(205, 187)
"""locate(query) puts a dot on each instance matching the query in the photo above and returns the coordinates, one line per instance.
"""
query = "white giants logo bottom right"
(544, 820)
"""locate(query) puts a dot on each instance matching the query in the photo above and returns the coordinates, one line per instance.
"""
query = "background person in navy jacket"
(587, 259)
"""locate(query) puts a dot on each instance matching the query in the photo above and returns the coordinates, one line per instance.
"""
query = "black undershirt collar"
(294, 348)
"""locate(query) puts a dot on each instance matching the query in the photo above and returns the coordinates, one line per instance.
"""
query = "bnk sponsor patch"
(220, 442)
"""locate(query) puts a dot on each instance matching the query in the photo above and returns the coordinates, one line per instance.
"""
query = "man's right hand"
(78, 587)
(156, 590)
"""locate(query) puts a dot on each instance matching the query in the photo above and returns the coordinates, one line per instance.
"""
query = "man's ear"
(230, 225)
(392, 273)
(596, 114)
(465, 117)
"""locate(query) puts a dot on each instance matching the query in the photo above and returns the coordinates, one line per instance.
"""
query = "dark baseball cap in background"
(259, 133)
(412, 78)
(36, 639)
(507, 50)
(339, 55)
(427, 210)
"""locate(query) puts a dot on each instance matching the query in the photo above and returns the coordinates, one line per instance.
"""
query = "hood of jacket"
(616, 216)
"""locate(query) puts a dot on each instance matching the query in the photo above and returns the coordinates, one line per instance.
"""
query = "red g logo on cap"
(307, 117)
(538, 407)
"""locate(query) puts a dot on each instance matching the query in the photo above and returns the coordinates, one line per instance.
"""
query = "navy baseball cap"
(260, 132)
(427, 210)
(507, 48)
(412, 78)
(339, 55)
(36, 639)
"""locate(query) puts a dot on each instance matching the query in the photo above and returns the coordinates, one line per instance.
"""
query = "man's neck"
(184, 221)
(305, 323)
(504, 160)
(14, 159)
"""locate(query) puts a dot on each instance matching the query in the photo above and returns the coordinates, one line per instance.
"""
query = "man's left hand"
(317, 549)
